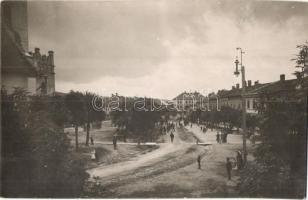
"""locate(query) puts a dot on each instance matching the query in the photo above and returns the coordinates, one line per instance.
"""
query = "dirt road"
(171, 170)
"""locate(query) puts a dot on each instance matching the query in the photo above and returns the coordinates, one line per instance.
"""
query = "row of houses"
(280, 90)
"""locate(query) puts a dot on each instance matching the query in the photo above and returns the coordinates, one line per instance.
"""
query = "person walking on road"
(199, 161)
(220, 137)
(217, 137)
(172, 137)
(92, 141)
(229, 168)
(114, 141)
(239, 160)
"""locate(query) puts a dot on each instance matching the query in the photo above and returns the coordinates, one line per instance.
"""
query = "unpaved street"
(172, 171)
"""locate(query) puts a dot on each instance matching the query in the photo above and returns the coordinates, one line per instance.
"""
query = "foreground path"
(171, 171)
(141, 161)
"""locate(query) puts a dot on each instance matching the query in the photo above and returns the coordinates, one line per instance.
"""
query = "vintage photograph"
(154, 99)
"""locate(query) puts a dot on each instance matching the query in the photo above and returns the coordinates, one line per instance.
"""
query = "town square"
(154, 99)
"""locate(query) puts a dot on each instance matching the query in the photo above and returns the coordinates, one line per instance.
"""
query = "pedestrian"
(239, 160)
(204, 130)
(229, 168)
(220, 138)
(223, 135)
(199, 161)
(114, 141)
(217, 137)
(93, 155)
(96, 155)
(92, 141)
(164, 130)
(172, 137)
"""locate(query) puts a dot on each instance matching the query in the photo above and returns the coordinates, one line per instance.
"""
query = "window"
(248, 103)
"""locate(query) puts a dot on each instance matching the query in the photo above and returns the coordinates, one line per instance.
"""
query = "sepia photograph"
(154, 99)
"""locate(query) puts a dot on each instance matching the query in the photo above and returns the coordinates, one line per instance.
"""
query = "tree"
(36, 160)
(140, 122)
(74, 102)
(282, 152)
(302, 60)
(91, 115)
(230, 117)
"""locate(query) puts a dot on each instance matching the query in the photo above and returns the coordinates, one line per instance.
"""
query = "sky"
(160, 48)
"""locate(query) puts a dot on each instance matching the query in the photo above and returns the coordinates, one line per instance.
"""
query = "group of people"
(203, 129)
(167, 127)
(239, 163)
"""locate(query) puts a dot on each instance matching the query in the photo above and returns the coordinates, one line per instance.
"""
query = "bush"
(36, 156)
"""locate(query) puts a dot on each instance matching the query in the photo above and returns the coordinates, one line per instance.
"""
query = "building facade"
(190, 100)
(20, 68)
(281, 90)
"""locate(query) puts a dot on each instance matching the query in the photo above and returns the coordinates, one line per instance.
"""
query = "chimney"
(36, 50)
(256, 82)
(44, 59)
(36, 57)
(50, 58)
(37, 53)
(282, 77)
(237, 86)
(233, 87)
(249, 83)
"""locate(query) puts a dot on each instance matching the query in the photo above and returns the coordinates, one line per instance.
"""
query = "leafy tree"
(74, 102)
(282, 152)
(91, 115)
(302, 60)
(36, 161)
(140, 122)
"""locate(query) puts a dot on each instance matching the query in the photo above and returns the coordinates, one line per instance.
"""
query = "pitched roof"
(14, 58)
(237, 92)
(189, 95)
(272, 88)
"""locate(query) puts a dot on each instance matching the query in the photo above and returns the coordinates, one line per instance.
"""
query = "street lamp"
(243, 99)
(217, 102)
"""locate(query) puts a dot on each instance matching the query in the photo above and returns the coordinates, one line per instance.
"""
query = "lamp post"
(217, 102)
(243, 100)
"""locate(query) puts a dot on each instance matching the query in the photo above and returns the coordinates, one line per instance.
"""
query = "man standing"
(172, 137)
(92, 141)
(229, 168)
(239, 160)
(199, 161)
(114, 141)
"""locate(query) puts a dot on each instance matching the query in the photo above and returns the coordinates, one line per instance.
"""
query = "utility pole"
(243, 100)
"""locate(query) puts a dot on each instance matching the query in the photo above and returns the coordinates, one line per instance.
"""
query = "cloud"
(161, 48)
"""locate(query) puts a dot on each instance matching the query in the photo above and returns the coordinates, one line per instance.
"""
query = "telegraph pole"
(243, 100)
